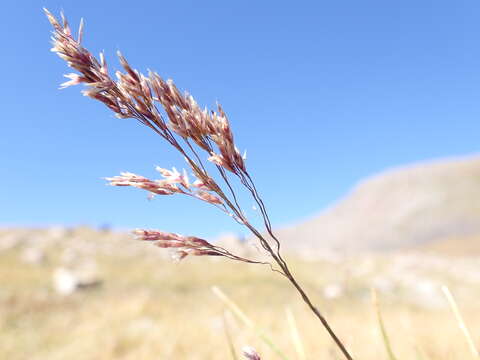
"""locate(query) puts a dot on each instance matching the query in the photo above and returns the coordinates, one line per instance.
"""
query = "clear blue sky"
(320, 93)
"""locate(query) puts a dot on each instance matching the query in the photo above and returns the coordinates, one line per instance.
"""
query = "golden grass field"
(147, 307)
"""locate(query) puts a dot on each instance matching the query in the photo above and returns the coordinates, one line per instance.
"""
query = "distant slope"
(460, 246)
(403, 207)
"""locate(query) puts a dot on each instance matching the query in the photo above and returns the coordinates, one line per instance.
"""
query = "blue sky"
(321, 94)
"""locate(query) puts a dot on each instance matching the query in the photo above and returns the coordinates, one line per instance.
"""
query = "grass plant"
(206, 141)
(202, 137)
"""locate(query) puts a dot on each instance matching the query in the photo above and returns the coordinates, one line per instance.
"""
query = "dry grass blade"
(460, 321)
(296, 339)
(247, 321)
(381, 324)
(229, 337)
(420, 353)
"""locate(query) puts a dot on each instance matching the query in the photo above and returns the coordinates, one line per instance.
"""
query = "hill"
(408, 206)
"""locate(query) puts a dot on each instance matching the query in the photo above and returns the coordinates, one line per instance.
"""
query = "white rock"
(333, 291)
(64, 281)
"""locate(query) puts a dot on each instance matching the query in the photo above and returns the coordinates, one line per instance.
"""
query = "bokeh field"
(126, 300)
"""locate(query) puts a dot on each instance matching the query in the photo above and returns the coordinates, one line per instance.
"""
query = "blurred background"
(360, 122)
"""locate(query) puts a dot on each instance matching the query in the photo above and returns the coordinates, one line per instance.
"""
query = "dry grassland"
(146, 307)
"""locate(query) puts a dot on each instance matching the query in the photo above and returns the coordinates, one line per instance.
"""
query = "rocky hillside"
(403, 207)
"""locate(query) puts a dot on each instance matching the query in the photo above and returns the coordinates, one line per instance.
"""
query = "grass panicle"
(204, 138)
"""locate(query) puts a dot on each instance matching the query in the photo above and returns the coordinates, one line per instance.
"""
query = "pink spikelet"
(155, 187)
(250, 353)
(205, 196)
(182, 245)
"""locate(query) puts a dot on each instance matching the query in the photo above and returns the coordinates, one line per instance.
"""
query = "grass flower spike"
(203, 138)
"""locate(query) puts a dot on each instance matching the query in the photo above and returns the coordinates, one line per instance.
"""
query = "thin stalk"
(317, 313)
(231, 347)
(381, 324)
(461, 322)
(286, 272)
(247, 321)
(296, 339)
(285, 269)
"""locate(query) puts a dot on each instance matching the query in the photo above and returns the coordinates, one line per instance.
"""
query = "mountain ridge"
(403, 206)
